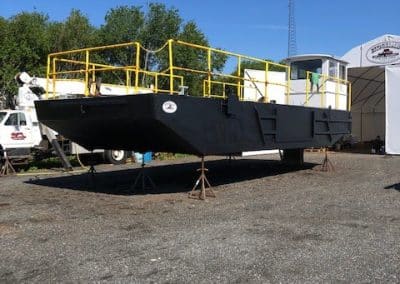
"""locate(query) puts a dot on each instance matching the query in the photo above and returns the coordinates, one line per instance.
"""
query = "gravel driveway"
(269, 223)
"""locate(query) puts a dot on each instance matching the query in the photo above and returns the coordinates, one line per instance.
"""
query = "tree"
(76, 32)
(152, 30)
(24, 47)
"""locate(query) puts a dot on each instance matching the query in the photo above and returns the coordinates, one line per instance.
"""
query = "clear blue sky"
(256, 28)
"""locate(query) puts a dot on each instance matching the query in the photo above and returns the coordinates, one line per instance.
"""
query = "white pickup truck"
(21, 133)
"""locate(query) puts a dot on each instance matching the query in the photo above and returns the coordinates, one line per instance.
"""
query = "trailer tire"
(115, 157)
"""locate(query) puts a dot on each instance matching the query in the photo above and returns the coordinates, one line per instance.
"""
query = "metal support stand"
(327, 165)
(205, 190)
(144, 180)
(91, 173)
(6, 167)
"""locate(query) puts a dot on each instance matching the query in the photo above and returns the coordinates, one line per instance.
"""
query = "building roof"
(302, 57)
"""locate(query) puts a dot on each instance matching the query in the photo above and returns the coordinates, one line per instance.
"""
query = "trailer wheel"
(115, 157)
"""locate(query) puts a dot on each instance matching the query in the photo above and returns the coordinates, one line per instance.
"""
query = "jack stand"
(7, 168)
(145, 180)
(230, 158)
(327, 165)
(205, 190)
(91, 174)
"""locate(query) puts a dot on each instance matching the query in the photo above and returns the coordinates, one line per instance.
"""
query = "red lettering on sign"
(17, 136)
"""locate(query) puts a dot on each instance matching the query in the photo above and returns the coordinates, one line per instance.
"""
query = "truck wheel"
(115, 157)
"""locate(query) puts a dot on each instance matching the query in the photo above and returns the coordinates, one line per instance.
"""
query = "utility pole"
(292, 45)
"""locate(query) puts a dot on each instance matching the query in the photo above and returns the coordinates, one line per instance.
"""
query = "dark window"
(342, 72)
(299, 69)
(332, 68)
(2, 116)
(22, 119)
(12, 119)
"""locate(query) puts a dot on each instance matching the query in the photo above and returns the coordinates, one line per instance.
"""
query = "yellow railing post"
(93, 73)
(54, 77)
(321, 91)
(336, 93)
(137, 67)
(171, 67)
(156, 84)
(209, 71)
(238, 75)
(349, 97)
(127, 77)
(266, 83)
(87, 73)
(288, 70)
(307, 87)
(48, 76)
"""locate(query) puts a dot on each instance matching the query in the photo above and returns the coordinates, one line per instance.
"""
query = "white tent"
(374, 70)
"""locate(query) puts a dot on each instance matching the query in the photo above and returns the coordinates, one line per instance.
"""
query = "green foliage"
(24, 46)
(76, 32)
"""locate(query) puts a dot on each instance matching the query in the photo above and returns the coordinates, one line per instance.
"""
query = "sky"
(254, 28)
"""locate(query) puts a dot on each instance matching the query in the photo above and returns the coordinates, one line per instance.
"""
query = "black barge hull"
(192, 125)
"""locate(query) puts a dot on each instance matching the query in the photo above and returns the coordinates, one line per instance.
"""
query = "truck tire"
(115, 157)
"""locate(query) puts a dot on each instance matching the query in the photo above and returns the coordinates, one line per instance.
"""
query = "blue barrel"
(143, 158)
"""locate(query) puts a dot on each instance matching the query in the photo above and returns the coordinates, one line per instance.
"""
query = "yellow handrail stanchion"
(209, 71)
(87, 73)
(266, 83)
(308, 86)
(47, 76)
(127, 81)
(288, 85)
(321, 99)
(137, 67)
(156, 84)
(336, 94)
(93, 73)
(323, 95)
(54, 77)
(171, 67)
(238, 75)
(349, 97)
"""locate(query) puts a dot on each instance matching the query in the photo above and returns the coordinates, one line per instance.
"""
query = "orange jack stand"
(205, 190)
(6, 168)
(327, 165)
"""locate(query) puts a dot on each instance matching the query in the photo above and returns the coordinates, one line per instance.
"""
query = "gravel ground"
(269, 223)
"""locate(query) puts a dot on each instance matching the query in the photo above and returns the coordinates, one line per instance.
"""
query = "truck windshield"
(2, 116)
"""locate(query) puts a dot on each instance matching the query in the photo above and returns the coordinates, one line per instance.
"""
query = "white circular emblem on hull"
(169, 107)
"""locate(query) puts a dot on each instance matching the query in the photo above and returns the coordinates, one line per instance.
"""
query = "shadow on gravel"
(171, 178)
(395, 186)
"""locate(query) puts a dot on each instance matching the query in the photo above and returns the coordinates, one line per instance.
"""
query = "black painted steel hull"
(193, 125)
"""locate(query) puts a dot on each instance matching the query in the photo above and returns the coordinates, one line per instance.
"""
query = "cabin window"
(12, 119)
(16, 119)
(342, 71)
(332, 68)
(22, 119)
(299, 68)
(2, 116)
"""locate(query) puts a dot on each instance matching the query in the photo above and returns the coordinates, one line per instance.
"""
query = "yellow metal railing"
(339, 84)
(83, 64)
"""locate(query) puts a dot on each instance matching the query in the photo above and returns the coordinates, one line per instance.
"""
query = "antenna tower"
(292, 45)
